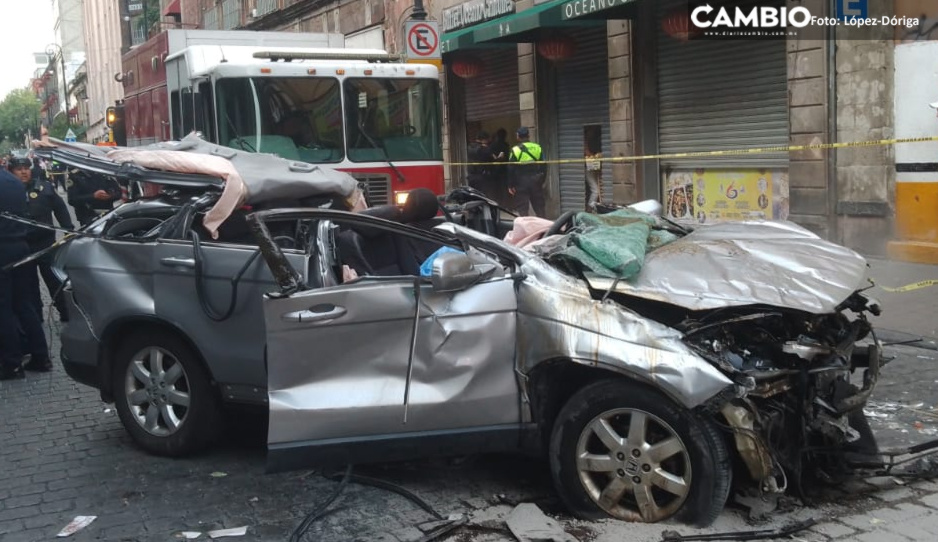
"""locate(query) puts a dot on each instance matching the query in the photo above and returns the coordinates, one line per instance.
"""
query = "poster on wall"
(707, 195)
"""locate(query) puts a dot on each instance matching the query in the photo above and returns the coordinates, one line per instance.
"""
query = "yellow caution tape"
(909, 287)
(727, 152)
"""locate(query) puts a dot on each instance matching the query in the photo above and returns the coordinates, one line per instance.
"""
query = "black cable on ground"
(321, 510)
(381, 484)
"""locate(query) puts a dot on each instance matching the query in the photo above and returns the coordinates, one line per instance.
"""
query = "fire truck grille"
(375, 186)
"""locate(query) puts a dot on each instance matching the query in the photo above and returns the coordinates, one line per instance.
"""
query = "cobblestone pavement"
(63, 453)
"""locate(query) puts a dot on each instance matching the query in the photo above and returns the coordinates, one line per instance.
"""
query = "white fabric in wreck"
(233, 196)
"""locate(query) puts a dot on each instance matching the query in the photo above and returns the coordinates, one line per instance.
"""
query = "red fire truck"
(300, 96)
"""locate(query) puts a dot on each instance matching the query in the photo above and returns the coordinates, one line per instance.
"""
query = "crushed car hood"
(747, 263)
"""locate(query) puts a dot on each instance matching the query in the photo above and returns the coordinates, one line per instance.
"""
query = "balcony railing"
(138, 35)
(231, 10)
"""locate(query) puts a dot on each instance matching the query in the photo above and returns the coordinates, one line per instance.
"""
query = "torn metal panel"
(747, 263)
(464, 360)
(558, 319)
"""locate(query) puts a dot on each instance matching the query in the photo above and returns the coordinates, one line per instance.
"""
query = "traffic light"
(114, 119)
(110, 117)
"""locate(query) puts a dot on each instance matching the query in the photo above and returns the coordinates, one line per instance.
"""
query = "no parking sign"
(423, 42)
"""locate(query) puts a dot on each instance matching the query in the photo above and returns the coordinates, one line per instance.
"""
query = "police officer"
(39, 172)
(91, 194)
(526, 182)
(17, 309)
(42, 203)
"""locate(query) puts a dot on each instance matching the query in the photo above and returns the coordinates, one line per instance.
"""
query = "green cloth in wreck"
(614, 244)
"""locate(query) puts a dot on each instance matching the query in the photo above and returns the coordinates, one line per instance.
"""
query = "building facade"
(70, 42)
(102, 31)
(633, 80)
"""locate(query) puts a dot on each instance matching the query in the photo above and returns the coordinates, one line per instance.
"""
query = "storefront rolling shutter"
(716, 95)
(582, 99)
(494, 92)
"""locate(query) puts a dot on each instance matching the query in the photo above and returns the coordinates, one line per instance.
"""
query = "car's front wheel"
(163, 395)
(619, 449)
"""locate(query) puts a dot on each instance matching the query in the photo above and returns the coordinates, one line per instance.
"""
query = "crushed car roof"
(246, 177)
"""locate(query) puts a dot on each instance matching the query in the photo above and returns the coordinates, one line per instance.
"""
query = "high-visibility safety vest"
(533, 154)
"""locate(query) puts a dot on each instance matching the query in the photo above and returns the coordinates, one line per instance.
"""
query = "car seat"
(420, 212)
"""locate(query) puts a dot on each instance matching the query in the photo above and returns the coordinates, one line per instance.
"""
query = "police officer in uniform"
(42, 203)
(526, 182)
(17, 307)
(91, 194)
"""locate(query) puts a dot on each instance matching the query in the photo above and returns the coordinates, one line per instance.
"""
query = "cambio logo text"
(755, 17)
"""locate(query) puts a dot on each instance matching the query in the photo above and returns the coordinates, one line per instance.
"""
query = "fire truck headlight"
(400, 198)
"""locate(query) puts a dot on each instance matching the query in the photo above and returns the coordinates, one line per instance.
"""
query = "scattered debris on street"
(77, 524)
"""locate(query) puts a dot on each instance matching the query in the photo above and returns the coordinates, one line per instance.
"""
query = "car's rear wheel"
(164, 396)
(621, 450)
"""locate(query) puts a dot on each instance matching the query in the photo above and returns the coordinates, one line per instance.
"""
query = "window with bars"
(231, 10)
(210, 19)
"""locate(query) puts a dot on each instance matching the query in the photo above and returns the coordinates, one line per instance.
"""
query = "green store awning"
(521, 26)
(456, 40)
(526, 26)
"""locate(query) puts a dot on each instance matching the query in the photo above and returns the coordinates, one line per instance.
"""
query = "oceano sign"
(475, 11)
(579, 8)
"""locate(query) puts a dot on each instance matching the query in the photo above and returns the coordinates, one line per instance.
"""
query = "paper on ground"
(236, 531)
(77, 524)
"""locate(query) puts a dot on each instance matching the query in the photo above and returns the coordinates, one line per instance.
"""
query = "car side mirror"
(453, 271)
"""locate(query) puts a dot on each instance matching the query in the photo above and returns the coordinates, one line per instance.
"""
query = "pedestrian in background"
(91, 194)
(500, 151)
(42, 203)
(480, 156)
(527, 176)
(17, 309)
(594, 176)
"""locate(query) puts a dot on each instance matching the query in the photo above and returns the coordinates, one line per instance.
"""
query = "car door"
(337, 365)
(232, 345)
(463, 374)
(385, 368)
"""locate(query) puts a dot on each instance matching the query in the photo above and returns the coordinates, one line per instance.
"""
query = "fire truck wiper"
(237, 136)
(387, 157)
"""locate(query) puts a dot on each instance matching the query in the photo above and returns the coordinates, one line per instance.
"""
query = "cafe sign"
(475, 11)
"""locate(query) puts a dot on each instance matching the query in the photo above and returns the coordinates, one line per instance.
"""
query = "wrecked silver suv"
(739, 355)
(730, 353)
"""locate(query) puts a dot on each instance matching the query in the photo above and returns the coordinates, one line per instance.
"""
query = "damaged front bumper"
(825, 424)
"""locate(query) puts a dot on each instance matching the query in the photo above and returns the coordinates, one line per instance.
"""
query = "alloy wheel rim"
(633, 465)
(157, 391)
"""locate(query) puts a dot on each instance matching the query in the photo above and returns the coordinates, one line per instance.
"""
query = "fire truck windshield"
(303, 118)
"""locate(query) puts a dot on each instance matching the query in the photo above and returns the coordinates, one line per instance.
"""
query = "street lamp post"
(51, 50)
(419, 13)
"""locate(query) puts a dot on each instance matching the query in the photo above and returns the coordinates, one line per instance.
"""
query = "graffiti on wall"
(926, 11)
